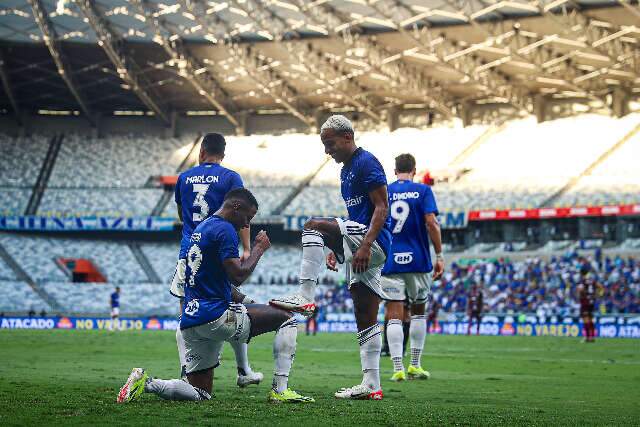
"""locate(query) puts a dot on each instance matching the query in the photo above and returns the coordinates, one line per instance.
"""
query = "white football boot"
(250, 378)
(359, 392)
(296, 303)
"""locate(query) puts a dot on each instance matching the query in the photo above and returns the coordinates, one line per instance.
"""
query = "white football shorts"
(203, 343)
(414, 287)
(115, 311)
(352, 236)
(179, 277)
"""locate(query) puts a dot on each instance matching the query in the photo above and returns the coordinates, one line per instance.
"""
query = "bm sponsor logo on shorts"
(403, 257)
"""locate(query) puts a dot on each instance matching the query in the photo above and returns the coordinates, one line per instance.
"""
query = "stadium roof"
(304, 56)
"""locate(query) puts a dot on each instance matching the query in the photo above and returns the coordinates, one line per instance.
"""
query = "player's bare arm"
(245, 239)
(179, 207)
(237, 270)
(433, 227)
(380, 201)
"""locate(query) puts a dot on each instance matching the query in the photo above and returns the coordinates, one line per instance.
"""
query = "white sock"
(181, 348)
(395, 337)
(175, 390)
(312, 262)
(242, 357)
(284, 351)
(417, 334)
(370, 341)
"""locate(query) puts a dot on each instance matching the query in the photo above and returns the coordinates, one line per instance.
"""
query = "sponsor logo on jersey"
(403, 257)
(355, 201)
(65, 323)
(192, 307)
(407, 195)
(195, 237)
(201, 179)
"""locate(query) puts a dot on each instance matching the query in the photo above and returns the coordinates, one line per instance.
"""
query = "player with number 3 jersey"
(408, 272)
(200, 191)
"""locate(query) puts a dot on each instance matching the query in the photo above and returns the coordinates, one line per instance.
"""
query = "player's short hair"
(405, 163)
(214, 144)
(242, 194)
(338, 123)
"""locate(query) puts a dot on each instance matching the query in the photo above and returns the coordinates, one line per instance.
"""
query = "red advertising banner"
(544, 213)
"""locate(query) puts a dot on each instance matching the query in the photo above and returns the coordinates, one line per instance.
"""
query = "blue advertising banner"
(63, 322)
(573, 329)
(623, 328)
(86, 223)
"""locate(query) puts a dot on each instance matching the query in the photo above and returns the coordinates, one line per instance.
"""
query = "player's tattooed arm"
(433, 227)
(380, 201)
(237, 270)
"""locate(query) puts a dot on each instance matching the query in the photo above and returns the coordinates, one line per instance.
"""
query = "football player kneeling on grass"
(209, 317)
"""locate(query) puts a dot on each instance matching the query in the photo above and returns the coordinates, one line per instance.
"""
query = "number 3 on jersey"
(400, 212)
(199, 201)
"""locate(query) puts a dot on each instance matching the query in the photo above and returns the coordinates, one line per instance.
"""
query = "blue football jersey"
(207, 289)
(115, 300)
(200, 192)
(360, 175)
(408, 204)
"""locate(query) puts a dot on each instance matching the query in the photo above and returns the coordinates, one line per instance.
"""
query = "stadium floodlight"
(50, 37)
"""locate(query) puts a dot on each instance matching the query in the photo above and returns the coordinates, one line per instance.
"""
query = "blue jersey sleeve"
(374, 176)
(235, 181)
(228, 244)
(429, 202)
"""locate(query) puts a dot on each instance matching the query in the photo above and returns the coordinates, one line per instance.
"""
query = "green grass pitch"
(72, 377)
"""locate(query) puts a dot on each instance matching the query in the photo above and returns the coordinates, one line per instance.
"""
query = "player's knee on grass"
(201, 379)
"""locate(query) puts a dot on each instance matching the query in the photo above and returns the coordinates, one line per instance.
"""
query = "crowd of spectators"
(532, 286)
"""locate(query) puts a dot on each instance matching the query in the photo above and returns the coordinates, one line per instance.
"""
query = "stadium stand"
(6, 273)
(18, 296)
(536, 286)
(13, 201)
(37, 256)
(139, 298)
(525, 163)
(163, 257)
(269, 160)
(117, 161)
(280, 265)
(100, 202)
(26, 156)
(616, 181)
